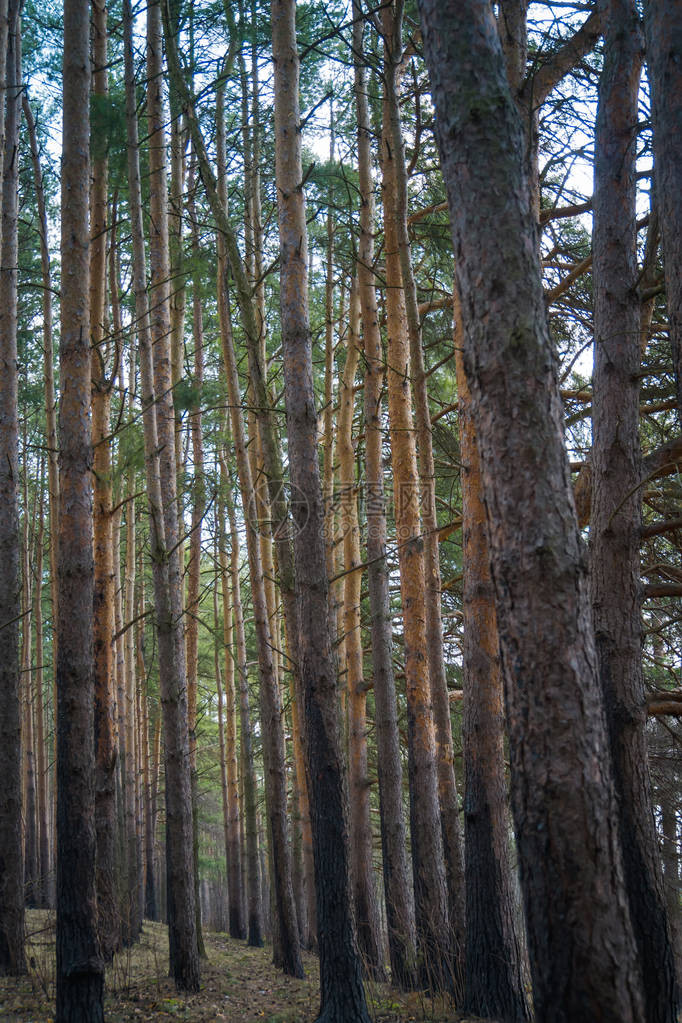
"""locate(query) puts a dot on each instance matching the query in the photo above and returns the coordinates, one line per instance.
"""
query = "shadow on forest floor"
(238, 984)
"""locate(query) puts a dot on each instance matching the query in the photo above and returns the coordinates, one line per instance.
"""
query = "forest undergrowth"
(238, 984)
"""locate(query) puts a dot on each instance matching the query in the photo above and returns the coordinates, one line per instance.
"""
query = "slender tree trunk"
(48, 373)
(185, 939)
(184, 957)
(493, 978)
(616, 519)
(562, 790)
(221, 727)
(41, 749)
(198, 508)
(328, 495)
(447, 787)
(253, 889)
(233, 847)
(251, 306)
(12, 959)
(663, 25)
(80, 971)
(342, 993)
(428, 867)
(362, 871)
(108, 922)
(270, 699)
(27, 737)
(397, 880)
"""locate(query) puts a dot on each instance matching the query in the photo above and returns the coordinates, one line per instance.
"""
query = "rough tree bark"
(616, 522)
(80, 970)
(342, 993)
(562, 791)
(493, 979)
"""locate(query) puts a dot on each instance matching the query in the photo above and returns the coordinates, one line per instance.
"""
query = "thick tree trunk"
(562, 790)
(342, 993)
(80, 971)
(663, 26)
(493, 979)
(11, 853)
(397, 880)
(616, 522)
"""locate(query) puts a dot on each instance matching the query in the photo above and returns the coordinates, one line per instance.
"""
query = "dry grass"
(239, 984)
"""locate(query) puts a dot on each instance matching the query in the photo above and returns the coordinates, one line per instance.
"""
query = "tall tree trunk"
(185, 935)
(270, 698)
(663, 25)
(184, 957)
(251, 306)
(254, 908)
(48, 355)
(27, 737)
(41, 749)
(287, 946)
(108, 922)
(428, 867)
(447, 787)
(221, 723)
(198, 508)
(493, 979)
(562, 790)
(233, 847)
(362, 870)
(397, 880)
(616, 520)
(80, 971)
(342, 993)
(12, 958)
(132, 891)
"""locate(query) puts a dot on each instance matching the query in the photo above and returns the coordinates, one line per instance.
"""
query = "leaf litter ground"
(239, 984)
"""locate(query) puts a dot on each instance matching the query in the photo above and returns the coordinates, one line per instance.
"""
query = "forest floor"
(239, 984)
